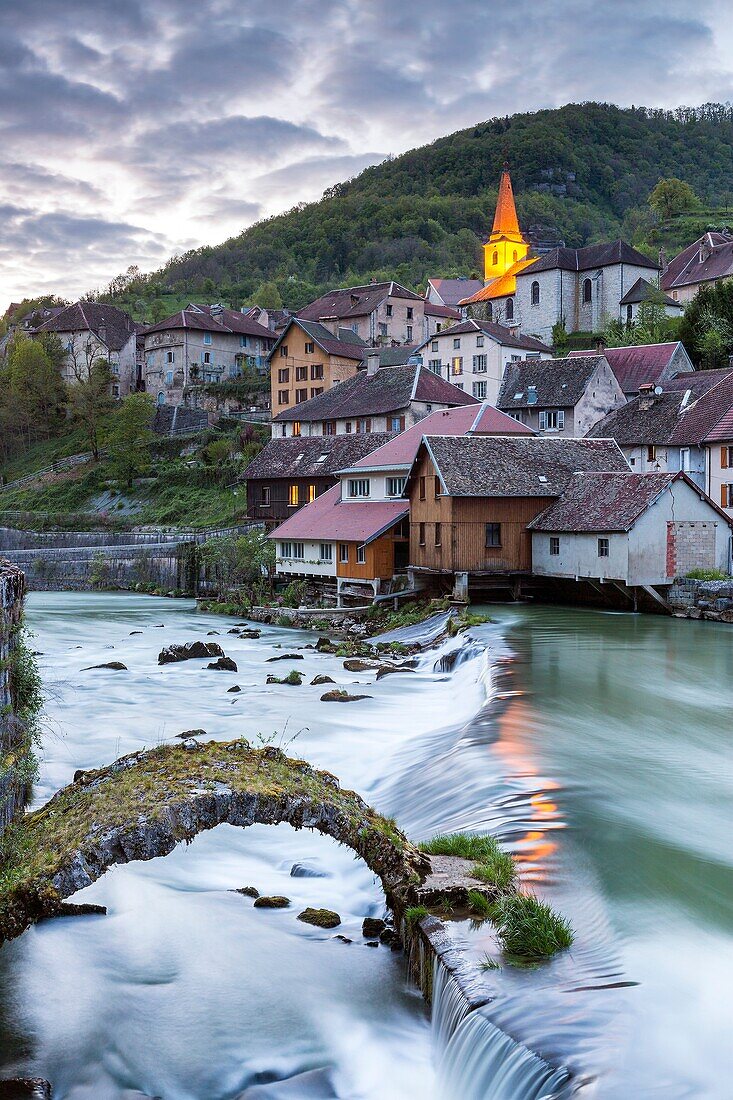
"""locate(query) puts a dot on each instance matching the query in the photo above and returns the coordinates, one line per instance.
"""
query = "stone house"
(473, 497)
(643, 292)
(645, 364)
(704, 263)
(582, 287)
(451, 292)
(473, 354)
(94, 330)
(560, 396)
(630, 529)
(439, 317)
(201, 345)
(379, 313)
(309, 358)
(378, 399)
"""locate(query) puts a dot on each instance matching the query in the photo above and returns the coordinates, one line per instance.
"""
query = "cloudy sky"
(131, 130)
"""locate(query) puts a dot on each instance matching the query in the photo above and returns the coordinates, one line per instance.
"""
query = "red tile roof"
(606, 501)
(433, 310)
(355, 301)
(686, 269)
(636, 366)
(330, 518)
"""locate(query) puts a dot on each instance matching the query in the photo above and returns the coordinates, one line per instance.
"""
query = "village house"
(323, 533)
(473, 497)
(451, 292)
(309, 358)
(289, 473)
(630, 530)
(560, 396)
(473, 354)
(201, 345)
(379, 313)
(378, 399)
(438, 317)
(644, 365)
(676, 429)
(645, 293)
(703, 263)
(90, 331)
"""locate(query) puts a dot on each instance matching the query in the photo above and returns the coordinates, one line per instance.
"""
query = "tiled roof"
(346, 346)
(91, 317)
(703, 415)
(593, 256)
(676, 417)
(602, 502)
(238, 322)
(518, 465)
(433, 310)
(636, 366)
(557, 383)
(499, 333)
(390, 389)
(329, 518)
(501, 287)
(481, 419)
(643, 291)
(312, 456)
(453, 291)
(355, 301)
(686, 268)
(195, 320)
(395, 356)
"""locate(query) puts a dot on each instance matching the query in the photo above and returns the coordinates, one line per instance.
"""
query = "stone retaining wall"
(711, 600)
(12, 734)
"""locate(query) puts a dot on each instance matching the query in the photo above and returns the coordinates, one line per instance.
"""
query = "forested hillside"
(584, 169)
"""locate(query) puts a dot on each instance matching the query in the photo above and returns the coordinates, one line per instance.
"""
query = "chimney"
(705, 248)
(331, 323)
(217, 309)
(372, 362)
(600, 345)
(663, 265)
(645, 388)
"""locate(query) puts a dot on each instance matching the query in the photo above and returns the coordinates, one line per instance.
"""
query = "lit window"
(296, 427)
(457, 365)
(293, 496)
(603, 548)
(311, 493)
(554, 545)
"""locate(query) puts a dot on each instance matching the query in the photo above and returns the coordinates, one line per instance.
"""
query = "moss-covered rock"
(271, 901)
(339, 696)
(321, 918)
(317, 681)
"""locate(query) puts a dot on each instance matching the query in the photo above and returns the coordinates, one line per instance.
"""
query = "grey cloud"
(314, 174)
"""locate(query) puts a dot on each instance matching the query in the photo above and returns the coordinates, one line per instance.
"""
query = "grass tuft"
(414, 914)
(492, 865)
(487, 963)
(530, 928)
(479, 904)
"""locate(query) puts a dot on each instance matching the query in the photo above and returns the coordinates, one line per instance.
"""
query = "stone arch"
(145, 804)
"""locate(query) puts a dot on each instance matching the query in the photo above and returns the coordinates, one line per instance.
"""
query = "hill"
(585, 169)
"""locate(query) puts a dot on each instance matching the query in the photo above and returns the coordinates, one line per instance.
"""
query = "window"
(169, 377)
(489, 311)
(629, 314)
(436, 486)
(171, 357)
(243, 341)
(554, 545)
(316, 372)
(283, 376)
(325, 552)
(685, 459)
(435, 366)
(361, 555)
(456, 343)
(161, 398)
(493, 534)
(311, 493)
(422, 488)
(298, 551)
(301, 395)
(651, 453)
(409, 313)
(726, 458)
(284, 351)
(329, 427)
(552, 420)
(587, 290)
(283, 397)
(409, 332)
(316, 390)
(397, 423)
(364, 425)
(344, 553)
(535, 293)
(395, 486)
(421, 533)
(383, 330)
(359, 487)
(115, 391)
(301, 374)
(726, 496)
(265, 496)
(349, 427)
(479, 390)
(495, 257)
(206, 357)
(479, 341)
(296, 427)
(207, 337)
(457, 365)
(603, 548)
(438, 534)
(509, 312)
(309, 348)
(292, 496)
(286, 549)
(434, 345)
(480, 363)
(389, 310)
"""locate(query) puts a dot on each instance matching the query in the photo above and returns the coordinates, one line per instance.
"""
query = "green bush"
(529, 928)
(706, 575)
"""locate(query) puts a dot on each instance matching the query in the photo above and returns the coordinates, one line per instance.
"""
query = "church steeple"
(506, 245)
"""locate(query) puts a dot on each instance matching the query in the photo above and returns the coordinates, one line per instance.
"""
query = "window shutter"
(369, 424)
(561, 419)
(543, 420)
(723, 496)
(402, 423)
(724, 458)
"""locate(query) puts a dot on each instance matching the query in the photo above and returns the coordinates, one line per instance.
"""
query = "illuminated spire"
(506, 223)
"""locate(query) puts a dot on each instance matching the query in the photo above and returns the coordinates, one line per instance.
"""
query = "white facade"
(83, 348)
(473, 361)
(663, 458)
(719, 473)
(678, 533)
(299, 558)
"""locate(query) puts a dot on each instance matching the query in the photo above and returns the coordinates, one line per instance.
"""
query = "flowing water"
(596, 746)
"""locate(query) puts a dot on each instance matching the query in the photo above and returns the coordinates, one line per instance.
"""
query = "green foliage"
(487, 963)
(90, 398)
(267, 296)
(415, 914)
(130, 439)
(671, 197)
(652, 325)
(246, 560)
(560, 338)
(707, 326)
(479, 904)
(706, 575)
(100, 573)
(32, 394)
(529, 928)
(492, 865)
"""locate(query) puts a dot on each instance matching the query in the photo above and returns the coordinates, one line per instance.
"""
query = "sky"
(133, 130)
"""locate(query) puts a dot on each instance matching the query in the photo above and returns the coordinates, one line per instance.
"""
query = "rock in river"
(341, 697)
(25, 1088)
(223, 664)
(189, 651)
(286, 657)
(234, 688)
(272, 901)
(372, 927)
(318, 680)
(321, 918)
(116, 665)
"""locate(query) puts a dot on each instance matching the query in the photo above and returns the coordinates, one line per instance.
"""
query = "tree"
(707, 326)
(35, 391)
(158, 310)
(671, 197)
(267, 296)
(130, 438)
(90, 398)
(247, 560)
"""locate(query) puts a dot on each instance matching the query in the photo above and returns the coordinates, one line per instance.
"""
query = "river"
(596, 746)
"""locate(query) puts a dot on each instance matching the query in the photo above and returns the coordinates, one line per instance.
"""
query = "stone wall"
(12, 733)
(712, 600)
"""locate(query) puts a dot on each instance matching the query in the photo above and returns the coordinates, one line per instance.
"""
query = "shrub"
(706, 575)
(530, 928)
